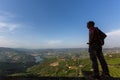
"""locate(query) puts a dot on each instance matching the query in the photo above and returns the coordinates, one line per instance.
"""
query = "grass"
(113, 61)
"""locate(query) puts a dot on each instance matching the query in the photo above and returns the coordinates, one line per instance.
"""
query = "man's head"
(90, 24)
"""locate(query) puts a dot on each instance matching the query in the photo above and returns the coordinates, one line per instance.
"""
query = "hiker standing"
(96, 41)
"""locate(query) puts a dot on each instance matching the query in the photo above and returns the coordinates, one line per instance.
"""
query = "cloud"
(115, 32)
(7, 22)
(62, 44)
(4, 42)
(7, 25)
(4, 26)
(113, 39)
(54, 42)
(6, 16)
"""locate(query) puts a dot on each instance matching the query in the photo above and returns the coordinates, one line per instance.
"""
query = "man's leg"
(102, 61)
(94, 61)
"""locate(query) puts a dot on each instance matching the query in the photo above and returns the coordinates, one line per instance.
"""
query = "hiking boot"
(106, 76)
(95, 77)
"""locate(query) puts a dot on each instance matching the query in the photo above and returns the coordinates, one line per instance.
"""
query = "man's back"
(96, 36)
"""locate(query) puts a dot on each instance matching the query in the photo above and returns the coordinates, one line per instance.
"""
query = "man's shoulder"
(97, 28)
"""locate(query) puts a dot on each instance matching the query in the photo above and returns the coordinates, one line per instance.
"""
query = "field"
(72, 67)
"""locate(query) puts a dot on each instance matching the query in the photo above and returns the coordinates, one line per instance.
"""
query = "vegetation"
(56, 63)
(73, 67)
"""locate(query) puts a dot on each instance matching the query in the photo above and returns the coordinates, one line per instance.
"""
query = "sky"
(39, 24)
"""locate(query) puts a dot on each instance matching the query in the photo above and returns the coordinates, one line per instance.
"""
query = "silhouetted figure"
(96, 40)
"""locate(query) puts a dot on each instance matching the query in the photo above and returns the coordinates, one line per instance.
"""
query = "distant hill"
(14, 55)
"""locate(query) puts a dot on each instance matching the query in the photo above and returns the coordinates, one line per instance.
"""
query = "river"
(38, 59)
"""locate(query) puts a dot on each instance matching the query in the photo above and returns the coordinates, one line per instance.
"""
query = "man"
(95, 50)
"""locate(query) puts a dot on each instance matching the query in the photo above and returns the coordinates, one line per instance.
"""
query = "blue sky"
(57, 23)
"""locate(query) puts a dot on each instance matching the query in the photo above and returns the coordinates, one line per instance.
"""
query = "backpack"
(101, 36)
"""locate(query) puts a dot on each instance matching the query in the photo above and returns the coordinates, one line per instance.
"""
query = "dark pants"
(96, 53)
